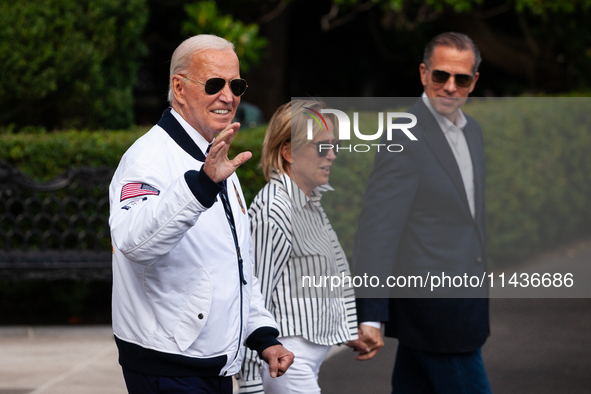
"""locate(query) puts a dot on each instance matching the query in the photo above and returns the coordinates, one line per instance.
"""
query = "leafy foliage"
(546, 7)
(204, 18)
(69, 63)
(535, 6)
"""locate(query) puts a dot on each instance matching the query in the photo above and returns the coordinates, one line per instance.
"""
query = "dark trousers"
(138, 383)
(420, 372)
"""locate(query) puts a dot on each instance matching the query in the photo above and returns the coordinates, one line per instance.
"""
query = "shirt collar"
(443, 122)
(194, 134)
(297, 196)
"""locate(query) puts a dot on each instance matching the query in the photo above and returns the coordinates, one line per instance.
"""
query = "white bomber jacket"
(180, 305)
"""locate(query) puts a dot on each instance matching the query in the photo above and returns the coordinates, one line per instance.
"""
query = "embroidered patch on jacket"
(239, 199)
(138, 189)
(134, 203)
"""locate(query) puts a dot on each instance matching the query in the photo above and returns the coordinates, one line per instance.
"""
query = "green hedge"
(538, 163)
(538, 189)
(44, 156)
(70, 63)
(538, 171)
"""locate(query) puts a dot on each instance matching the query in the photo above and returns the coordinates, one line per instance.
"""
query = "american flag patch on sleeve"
(138, 189)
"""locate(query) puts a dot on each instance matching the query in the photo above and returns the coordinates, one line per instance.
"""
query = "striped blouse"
(292, 237)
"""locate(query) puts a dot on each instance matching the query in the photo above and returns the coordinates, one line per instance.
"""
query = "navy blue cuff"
(204, 189)
(373, 309)
(262, 338)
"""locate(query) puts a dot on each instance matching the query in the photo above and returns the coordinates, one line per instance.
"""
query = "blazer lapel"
(440, 147)
(476, 152)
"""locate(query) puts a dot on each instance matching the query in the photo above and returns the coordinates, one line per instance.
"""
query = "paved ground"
(536, 346)
(59, 360)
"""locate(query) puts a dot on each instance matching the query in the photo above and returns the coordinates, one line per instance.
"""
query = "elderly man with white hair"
(185, 301)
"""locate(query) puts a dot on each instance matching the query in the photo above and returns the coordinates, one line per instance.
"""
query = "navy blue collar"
(179, 135)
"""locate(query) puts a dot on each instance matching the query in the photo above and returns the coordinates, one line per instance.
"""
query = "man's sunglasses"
(325, 146)
(462, 80)
(214, 85)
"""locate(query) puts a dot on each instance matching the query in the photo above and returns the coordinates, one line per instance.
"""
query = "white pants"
(302, 376)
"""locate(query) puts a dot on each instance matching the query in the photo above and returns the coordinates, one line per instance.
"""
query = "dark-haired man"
(424, 212)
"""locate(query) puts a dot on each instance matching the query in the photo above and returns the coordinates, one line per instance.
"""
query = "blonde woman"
(292, 237)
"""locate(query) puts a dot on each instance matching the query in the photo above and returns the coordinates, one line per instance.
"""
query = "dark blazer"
(416, 219)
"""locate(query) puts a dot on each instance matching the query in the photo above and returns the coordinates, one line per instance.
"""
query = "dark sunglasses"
(214, 85)
(323, 151)
(462, 80)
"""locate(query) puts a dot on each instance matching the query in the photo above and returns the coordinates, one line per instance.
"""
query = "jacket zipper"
(232, 224)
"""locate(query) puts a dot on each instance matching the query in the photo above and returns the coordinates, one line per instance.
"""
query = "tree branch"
(423, 15)
(531, 43)
(498, 10)
(330, 20)
(382, 48)
(268, 17)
